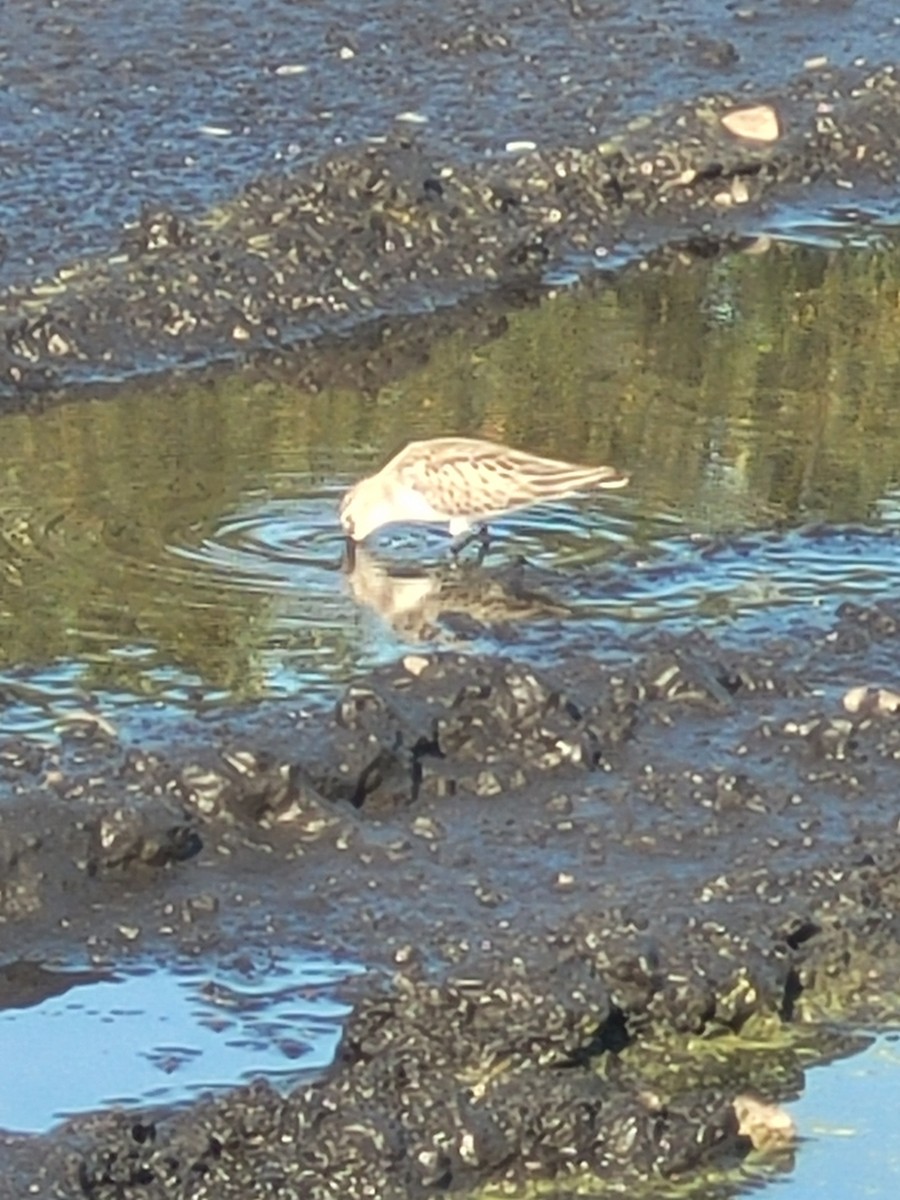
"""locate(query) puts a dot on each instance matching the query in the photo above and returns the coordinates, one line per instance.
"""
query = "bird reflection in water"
(422, 604)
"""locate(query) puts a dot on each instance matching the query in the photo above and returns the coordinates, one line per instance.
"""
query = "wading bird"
(462, 483)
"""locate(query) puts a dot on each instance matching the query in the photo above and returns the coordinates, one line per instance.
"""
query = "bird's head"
(364, 508)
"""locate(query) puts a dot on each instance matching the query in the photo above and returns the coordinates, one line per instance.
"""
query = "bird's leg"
(478, 533)
(484, 543)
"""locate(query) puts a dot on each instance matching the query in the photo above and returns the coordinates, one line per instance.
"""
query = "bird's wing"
(477, 479)
(459, 483)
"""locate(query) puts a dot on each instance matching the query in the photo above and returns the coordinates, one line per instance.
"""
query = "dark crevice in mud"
(601, 906)
(383, 232)
(792, 992)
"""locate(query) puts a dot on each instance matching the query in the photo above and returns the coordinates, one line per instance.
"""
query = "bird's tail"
(548, 479)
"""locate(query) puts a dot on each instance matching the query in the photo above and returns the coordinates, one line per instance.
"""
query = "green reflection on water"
(740, 392)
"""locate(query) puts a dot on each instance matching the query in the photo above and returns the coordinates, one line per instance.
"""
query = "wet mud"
(407, 221)
(587, 896)
(601, 901)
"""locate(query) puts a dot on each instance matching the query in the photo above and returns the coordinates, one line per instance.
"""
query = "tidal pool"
(174, 550)
(164, 1035)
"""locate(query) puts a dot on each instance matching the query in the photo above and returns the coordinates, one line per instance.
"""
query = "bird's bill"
(348, 560)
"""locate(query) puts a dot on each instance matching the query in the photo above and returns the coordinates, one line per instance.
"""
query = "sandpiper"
(462, 483)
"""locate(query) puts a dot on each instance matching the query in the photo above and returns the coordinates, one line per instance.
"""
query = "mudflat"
(601, 901)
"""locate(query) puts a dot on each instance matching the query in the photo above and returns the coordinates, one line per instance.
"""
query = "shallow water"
(165, 1036)
(181, 550)
(850, 1143)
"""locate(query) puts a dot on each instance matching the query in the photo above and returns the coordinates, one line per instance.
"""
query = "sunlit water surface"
(164, 1037)
(165, 551)
(850, 1144)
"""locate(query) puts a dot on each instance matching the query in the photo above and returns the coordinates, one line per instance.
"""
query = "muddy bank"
(105, 115)
(366, 235)
(587, 895)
